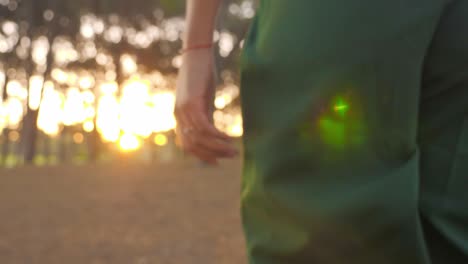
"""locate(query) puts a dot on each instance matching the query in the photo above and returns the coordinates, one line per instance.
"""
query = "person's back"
(356, 131)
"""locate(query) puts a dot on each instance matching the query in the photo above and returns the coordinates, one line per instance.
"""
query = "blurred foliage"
(172, 7)
(129, 43)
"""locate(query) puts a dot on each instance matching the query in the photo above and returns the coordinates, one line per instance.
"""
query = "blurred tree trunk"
(117, 52)
(29, 130)
(94, 145)
(63, 147)
(8, 59)
(6, 130)
(30, 133)
(94, 141)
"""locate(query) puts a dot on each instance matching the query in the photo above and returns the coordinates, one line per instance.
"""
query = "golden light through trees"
(139, 111)
(97, 77)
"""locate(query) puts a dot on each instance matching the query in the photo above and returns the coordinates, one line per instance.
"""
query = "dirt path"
(123, 214)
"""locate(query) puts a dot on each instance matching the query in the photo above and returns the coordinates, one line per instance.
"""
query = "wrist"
(194, 47)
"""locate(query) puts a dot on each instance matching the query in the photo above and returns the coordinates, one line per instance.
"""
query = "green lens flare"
(341, 107)
(341, 129)
(333, 132)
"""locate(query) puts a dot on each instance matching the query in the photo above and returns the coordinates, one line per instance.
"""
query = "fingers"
(203, 156)
(207, 150)
(206, 147)
(201, 138)
(218, 148)
(201, 123)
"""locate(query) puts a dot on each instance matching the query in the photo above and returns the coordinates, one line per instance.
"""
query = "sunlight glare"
(129, 143)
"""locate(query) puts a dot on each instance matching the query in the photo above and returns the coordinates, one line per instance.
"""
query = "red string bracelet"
(196, 47)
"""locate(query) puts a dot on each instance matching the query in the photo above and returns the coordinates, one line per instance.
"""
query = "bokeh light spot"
(78, 138)
(160, 140)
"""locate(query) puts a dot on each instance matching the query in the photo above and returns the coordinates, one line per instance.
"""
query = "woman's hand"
(194, 109)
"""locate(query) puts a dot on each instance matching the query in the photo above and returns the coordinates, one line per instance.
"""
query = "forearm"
(201, 16)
